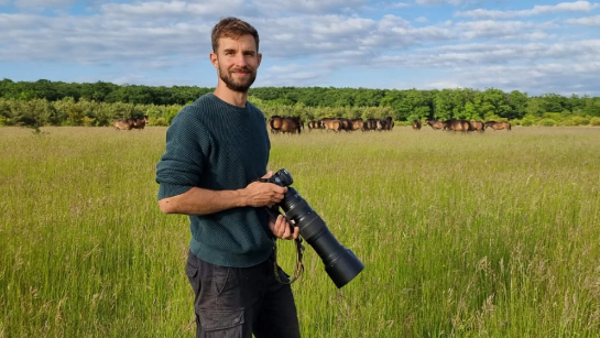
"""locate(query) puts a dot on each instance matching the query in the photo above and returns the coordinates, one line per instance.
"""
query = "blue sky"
(533, 46)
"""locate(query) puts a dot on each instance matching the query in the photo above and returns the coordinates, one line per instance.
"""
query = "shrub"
(595, 121)
(153, 111)
(89, 122)
(4, 121)
(567, 123)
(552, 116)
(546, 123)
(170, 113)
(527, 123)
(158, 121)
(581, 121)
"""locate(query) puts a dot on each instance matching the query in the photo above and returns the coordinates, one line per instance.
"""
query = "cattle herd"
(132, 123)
(295, 125)
(463, 125)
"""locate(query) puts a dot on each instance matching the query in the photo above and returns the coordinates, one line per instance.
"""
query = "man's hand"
(259, 194)
(281, 228)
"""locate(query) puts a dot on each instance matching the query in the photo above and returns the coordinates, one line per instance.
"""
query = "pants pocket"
(191, 270)
(221, 323)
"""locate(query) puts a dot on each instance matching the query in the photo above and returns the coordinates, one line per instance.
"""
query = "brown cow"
(388, 124)
(123, 124)
(332, 124)
(378, 124)
(477, 125)
(498, 125)
(275, 123)
(458, 125)
(356, 124)
(436, 125)
(298, 120)
(140, 123)
(323, 121)
(291, 125)
(346, 124)
(416, 125)
(370, 124)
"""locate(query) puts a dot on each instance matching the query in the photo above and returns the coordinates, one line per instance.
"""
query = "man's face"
(237, 61)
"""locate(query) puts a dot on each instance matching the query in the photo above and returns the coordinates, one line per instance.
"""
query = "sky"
(537, 47)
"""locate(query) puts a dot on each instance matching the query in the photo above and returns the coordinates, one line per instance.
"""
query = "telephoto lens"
(341, 264)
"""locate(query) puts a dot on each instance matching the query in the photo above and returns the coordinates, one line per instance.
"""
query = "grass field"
(493, 235)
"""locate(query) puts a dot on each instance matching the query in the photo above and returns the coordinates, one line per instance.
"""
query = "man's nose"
(240, 60)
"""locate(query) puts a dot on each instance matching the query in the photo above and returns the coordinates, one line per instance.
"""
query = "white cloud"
(450, 2)
(307, 6)
(349, 39)
(589, 21)
(128, 79)
(180, 9)
(391, 21)
(148, 8)
(95, 40)
(535, 79)
(396, 33)
(290, 75)
(490, 28)
(399, 5)
(336, 25)
(38, 5)
(307, 46)
(446, 83)
(438, 2)
(561, 78)
(485, 54)
(578, 6)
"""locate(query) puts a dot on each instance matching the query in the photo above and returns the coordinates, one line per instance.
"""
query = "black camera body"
(340, 263)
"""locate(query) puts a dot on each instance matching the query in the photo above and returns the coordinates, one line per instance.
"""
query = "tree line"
(45, 102)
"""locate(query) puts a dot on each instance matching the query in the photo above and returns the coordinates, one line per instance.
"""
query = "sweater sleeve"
(182, 164)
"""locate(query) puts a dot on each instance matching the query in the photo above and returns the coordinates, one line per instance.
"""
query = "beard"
(238, 85)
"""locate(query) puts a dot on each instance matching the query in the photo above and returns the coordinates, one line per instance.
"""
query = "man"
(216, 150)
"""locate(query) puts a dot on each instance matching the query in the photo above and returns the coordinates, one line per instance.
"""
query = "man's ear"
(259, 59)
(214, 59)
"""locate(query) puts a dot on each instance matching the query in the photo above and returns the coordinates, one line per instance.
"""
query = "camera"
(340, 263)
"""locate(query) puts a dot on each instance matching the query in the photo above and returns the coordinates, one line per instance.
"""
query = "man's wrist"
(241, 198)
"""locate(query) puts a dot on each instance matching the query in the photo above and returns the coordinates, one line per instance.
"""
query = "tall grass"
(492, 235)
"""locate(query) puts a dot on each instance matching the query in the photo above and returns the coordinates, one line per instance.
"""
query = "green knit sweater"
(214, 145)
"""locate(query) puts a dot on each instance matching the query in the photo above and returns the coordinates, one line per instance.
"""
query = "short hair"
(232, 28)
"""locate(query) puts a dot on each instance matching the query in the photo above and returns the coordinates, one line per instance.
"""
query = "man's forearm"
(198, 201)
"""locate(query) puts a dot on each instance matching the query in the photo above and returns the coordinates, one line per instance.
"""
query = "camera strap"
(299, 264)
(273, 212)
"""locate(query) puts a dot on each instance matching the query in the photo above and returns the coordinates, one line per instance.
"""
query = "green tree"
(75, 115)
(493, 103)
(592, 106)
(554, 103)
(471, 112)
(517, 102)
(443, 104)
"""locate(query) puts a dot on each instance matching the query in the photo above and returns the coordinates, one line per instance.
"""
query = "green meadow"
(480, 235)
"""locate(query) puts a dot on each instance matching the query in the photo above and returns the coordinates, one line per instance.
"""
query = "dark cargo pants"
(239, 302)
